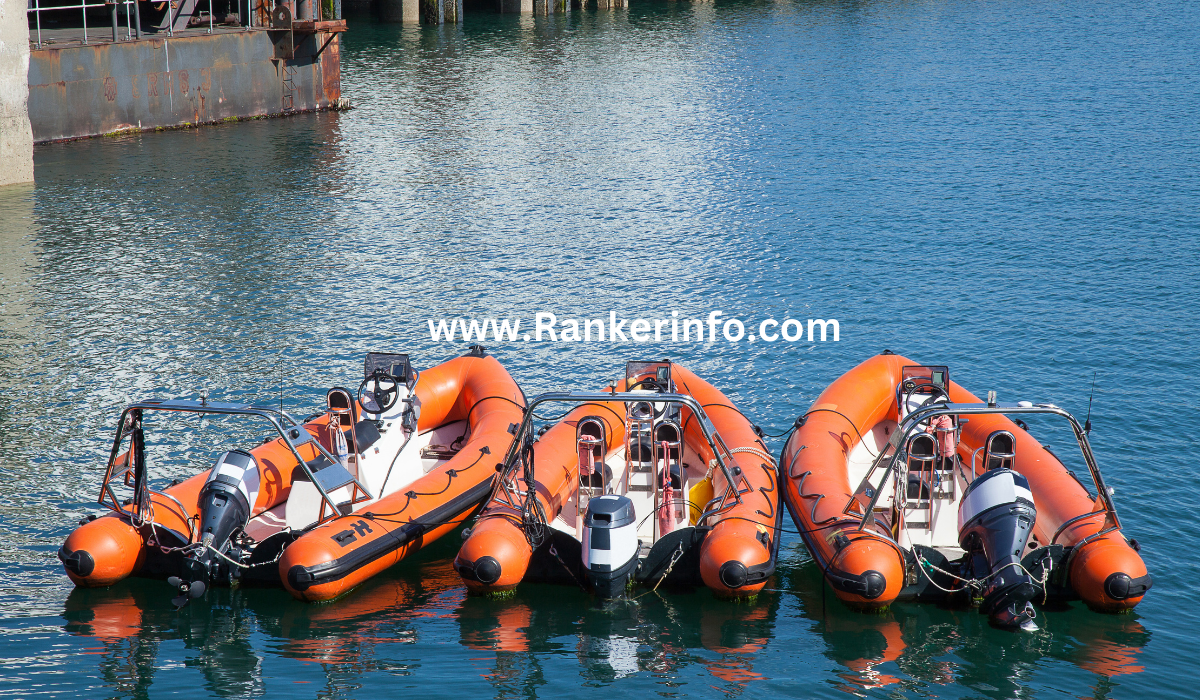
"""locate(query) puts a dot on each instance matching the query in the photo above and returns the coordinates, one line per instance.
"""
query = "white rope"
(754, 451)
(977, 583)
(921, 560)
(240, 565)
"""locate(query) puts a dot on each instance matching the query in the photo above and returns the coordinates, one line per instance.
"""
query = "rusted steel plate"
(157, 82)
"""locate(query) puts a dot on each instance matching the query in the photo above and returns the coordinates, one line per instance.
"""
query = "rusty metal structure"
(274, 57)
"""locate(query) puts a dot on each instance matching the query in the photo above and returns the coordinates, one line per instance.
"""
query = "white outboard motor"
(610, 544)
(995, 519)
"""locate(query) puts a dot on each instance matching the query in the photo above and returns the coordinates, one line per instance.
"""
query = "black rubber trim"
(465, 569)
(733, 574)
(485, 570)
(761, 572)
(870, 584)
(1120, 586)
(79, 562)
(301, 577)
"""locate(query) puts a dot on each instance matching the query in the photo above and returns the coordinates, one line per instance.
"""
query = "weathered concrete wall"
(16, 138)
(162, 82)
(405, 11)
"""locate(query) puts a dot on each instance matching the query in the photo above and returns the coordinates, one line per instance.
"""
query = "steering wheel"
(649, 384)
(937, 393)
(384, 390)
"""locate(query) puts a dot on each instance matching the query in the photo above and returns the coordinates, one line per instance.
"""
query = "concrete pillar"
(522, 6)
(404, 11)
(441, 11)
(16, 136)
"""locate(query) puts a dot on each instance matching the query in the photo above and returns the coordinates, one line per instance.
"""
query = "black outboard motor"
(225, 504)
(995, 519)
(610, 544)
(227, 497)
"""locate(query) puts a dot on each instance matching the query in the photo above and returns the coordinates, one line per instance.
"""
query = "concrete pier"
(16, 136)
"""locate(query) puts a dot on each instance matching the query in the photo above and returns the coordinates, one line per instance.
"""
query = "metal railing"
(256, 13)
(133, 17)
(867, 493)
(293, 433)
(36, 9)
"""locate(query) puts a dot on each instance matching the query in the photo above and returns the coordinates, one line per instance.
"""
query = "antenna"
(1087, 424)
(281, 385)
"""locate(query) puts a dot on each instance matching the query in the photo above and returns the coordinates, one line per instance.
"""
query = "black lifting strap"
(141, 485)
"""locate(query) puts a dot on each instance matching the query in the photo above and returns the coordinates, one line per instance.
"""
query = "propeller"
(187, 591)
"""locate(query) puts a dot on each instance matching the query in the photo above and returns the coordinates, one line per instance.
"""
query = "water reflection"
(18, 263)
(511, 642)
(916, 646)
(655, 635)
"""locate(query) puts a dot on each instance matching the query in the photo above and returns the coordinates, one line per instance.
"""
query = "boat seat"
(591, 434)
(304, 500)
(360, 434)
(339, 402)
(599, 479)
(922, 450)
(367, 434)
(999, 450)
(918, 489)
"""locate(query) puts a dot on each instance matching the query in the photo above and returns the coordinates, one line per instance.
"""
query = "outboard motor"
(225, 504)
(610, 544)
(995, 519)
(227, 497)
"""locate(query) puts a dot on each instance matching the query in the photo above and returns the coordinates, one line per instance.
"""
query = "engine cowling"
(995, 519)
(610, 544)
(226, 500)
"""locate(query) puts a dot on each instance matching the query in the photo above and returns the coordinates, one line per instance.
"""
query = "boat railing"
(293, 433)
(721, 453)
(868, 493)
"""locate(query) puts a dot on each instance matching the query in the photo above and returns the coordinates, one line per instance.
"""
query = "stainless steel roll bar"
(292, 431)
(891, 452)
(720, 451)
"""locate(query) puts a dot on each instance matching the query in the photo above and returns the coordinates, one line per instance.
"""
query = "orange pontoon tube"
(906, 486)
(636, 485)
(315, 509)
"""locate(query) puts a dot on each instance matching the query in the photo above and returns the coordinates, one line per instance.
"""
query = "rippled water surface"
(1008, 188)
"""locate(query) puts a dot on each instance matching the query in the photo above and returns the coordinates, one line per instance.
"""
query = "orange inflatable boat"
(905, 486)
(635, 485)
(317, 507)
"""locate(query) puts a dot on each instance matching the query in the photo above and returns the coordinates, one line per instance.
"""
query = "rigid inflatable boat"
(635, 485)
(319, 506)
(905, 486)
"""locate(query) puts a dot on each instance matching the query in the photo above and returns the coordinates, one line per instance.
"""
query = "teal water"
(1005, 188)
